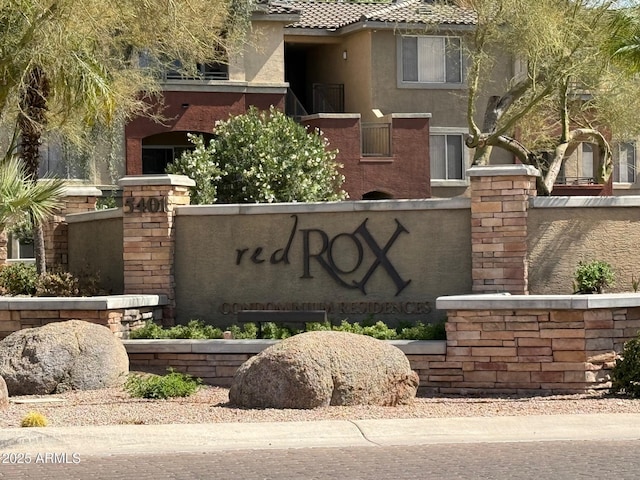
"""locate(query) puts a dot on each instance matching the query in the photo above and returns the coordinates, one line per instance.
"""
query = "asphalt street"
(512, 460)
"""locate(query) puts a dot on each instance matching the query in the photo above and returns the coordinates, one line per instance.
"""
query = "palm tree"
(624, 42)
(69, 66)
(22, 200)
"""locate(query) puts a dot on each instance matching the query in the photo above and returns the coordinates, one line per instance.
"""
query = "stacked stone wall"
(534, 351)
(216, 365)
(120, 321)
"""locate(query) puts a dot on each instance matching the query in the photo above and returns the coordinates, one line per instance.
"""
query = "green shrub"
(276, 332)
(197, 329)
(18, 279)
(261, 156)
(22, 279)
(34, 419)
(378, 330)
(150, 330)
(174, 384)
(57, 284)
(625, 375)
(593, 277)
(247, 331)
(421, 331)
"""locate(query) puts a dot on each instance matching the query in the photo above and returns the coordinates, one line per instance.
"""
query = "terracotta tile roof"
(279, 8)
(330, 15)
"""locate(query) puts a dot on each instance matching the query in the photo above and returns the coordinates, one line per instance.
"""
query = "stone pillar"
(149, 236)
(499, 207)
(77, 199)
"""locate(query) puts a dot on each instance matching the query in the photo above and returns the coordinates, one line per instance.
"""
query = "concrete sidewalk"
(129, 439)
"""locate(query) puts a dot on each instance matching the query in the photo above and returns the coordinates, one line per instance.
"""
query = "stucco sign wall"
(386, 260)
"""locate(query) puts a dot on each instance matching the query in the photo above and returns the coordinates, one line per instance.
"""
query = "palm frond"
(24, 200)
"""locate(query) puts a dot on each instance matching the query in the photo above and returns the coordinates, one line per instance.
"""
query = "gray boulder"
(317, 369)
(56, 357)
(4, 395)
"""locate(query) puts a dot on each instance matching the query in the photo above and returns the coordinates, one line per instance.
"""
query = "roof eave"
(401, 26)
(374, 25)
(285, 18)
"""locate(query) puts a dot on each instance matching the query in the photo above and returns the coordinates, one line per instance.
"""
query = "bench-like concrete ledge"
(409, 347)
(538, 302)
(106, 302)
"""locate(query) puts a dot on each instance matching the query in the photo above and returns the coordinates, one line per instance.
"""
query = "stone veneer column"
(149, 236)
(77, 199)
(499, 207)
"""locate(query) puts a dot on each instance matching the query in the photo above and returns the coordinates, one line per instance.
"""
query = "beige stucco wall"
(95, 247)
(560, 237)
(434, 255)
(326, 64)
(262, 60)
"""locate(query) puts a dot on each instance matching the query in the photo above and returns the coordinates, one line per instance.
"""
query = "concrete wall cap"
(409, 347)
(106, 302)
(105, 214)
(410, 115)
(503, 171)
(332, 116)
(577, 202)
(224, 86)
(81, 191)
(538, 302)
(457, 203)
(141, 180)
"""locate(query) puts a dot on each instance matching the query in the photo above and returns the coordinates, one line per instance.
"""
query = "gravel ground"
(209, 405)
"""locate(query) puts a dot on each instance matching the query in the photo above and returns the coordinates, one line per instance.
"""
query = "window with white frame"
(447, 156)
(588, 160)
(431, 59)
(624, 166)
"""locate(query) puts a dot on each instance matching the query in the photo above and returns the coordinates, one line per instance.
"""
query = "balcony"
(205, 72)
(376, 140)
(328, 98)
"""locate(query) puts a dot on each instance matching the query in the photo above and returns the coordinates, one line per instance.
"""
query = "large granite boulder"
(317, 369)
(4, 395)
(72, 355)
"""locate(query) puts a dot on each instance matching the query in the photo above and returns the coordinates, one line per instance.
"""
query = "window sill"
(432, 86)
(624, 185)
(376, 159)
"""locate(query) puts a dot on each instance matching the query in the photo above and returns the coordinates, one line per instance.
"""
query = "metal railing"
(328, 98)
(206, 71)
(376, 140)
(293, 107)
(575, 181)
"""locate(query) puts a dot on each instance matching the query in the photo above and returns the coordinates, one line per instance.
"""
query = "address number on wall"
(145, 204)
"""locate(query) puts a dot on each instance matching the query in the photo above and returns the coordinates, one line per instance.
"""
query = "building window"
(447, 156)
(156, 158)
(431, 59)
(588, 159)
(624, 167)
(204, 71)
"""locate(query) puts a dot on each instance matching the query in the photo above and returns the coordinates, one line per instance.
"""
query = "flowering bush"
(261, 156)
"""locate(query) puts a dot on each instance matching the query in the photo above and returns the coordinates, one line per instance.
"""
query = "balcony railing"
(376, 140)
(293, 107)
(575, 181)
(205, 71)
(328, 98)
